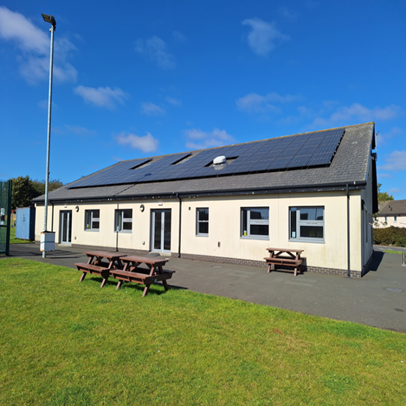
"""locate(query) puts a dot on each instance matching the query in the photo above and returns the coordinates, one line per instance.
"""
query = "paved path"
(378, 299)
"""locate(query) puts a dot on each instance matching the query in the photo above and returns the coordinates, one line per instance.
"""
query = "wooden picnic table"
(284, 256)
(132, 272)
(95, 264)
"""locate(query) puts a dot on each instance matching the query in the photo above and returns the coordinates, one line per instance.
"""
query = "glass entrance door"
(161, 230)
(65, 227)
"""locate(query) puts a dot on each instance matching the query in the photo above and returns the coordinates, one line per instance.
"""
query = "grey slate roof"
(349, 165)
(393, 208)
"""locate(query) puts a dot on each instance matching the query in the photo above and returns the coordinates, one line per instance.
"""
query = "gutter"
(330, 187)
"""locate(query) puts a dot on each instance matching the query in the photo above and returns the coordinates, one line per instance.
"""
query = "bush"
(390, 236)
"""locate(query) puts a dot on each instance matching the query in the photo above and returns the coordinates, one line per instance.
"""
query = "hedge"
(394, 236)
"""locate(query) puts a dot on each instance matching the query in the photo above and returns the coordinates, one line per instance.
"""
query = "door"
(161, 230)
(65, 227)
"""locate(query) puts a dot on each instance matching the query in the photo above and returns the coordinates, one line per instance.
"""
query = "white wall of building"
(224, 238)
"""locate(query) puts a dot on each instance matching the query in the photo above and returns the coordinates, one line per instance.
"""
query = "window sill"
(202, 235)
(91, 230)
(307, 240)
(255, 237)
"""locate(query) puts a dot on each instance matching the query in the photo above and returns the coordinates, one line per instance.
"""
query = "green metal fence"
(5, 216)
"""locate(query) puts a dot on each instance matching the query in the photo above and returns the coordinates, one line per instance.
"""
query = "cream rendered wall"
(138, 238)
(224, 228)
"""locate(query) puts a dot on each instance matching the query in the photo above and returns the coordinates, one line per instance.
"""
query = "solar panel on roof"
(300, 151)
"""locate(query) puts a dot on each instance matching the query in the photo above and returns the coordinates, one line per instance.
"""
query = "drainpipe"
(115, 216)
(180, 222)
(348, 231)
(52, 224)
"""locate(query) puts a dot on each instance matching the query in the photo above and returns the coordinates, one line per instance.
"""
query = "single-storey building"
(314, 191)
(391, 214)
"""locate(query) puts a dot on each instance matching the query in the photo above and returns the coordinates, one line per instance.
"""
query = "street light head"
(49, 19)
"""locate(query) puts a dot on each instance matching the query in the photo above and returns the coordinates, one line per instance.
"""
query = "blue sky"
(137, 79)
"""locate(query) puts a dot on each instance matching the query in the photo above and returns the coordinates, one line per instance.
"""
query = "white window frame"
(120, 219)
(308, 223)
(90, 219)
(199, 221)
(250, 222)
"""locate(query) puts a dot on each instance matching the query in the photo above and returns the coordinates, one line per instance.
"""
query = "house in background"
(314, 191)
(392, 214)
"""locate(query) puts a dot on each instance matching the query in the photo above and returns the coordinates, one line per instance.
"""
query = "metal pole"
(51, 65)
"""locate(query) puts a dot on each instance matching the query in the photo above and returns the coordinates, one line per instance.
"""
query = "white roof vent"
(220, 160)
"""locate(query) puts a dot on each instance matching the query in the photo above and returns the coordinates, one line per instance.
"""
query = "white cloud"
(146, 144)
(396, 161)
(360, 113)
(173, 101)
(198, 139)
(79, 130)
(381, 138)
(285, 12)
(179, 36)
(263, 36)
(155, 48)
(34, 45)
(151, 109)
(102, 96)
(255, 103)
(394, 190)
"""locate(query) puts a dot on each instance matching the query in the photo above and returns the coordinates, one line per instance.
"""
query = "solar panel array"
(294, 152)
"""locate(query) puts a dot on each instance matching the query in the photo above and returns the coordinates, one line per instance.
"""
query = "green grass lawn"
(14, 240)
(68, 343)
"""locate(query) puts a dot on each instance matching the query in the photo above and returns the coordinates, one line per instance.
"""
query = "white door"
(65, 227)
(161, 230)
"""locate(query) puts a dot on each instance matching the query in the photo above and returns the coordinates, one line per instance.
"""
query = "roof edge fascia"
(231, 192)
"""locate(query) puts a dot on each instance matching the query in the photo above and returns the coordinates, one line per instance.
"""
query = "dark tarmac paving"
(378, 299)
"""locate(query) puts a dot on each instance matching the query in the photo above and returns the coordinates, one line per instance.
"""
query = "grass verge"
(68, 343)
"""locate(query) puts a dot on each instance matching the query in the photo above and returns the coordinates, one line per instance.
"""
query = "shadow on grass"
(135, 286)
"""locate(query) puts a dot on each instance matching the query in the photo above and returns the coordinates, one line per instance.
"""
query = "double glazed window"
(307, 224)
(255, 222)
(92, 220)
(124, 220)
(202, 222)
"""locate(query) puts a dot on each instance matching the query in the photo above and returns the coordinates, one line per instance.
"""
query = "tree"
(39, 186)
(383, 196)
(25, 189)
(23, 192)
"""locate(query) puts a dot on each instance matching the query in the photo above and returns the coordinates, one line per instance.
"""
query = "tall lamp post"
(49, 19)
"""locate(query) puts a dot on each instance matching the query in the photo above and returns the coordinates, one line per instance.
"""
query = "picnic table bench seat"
(295, 263)
(93, 269)
(142, 278)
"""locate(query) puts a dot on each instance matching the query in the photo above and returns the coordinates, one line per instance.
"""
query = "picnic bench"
(132, 272)
(96, 266)
(286, 257)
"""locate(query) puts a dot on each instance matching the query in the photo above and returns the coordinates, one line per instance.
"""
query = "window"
(124, 220)
(307, 224)
(92, 219)
(255, 222)
(202, 222)
(395, 218)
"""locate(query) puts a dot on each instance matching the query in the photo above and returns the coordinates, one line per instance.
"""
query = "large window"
(124, 220)
(255, 222)
(92, 220)
(307, 224)
(202, 222)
